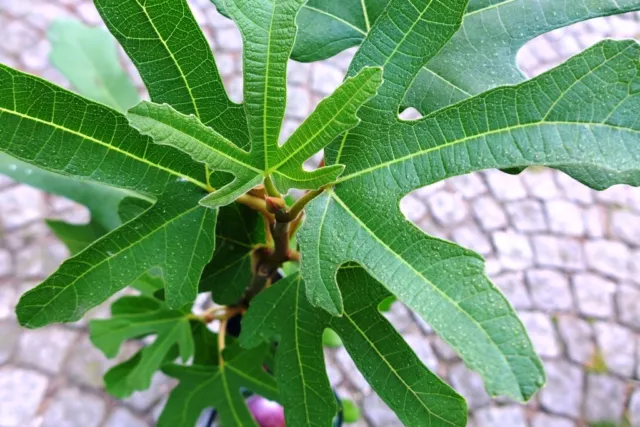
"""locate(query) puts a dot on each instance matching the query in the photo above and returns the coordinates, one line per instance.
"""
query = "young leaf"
(415, 394)
(577, 118)
(87, 57)
(332, 117)
(134, 317)
(174, 59)
(479, 57)
(229, 273)
(304, 387)
(218, 386)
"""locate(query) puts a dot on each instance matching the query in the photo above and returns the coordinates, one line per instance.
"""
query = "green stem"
(300, 204)
(271, 188)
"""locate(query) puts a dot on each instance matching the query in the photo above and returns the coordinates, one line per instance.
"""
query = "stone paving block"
(514, 250)
(574, 190)
(634, 408)
(124, 418)
(378, 413)
(634, 267)
(604, 400)
(512, 416)
(527, 216)
(326, 78)
(625, 225)
(423, 350)
(10, 335)
(21, 392)
(349, 368)
(595, 220)
(161, 385)
(442, 349)
(86, 364)
(578, 338)
(413, 208)
(470, 385)
(489, 213)
(513, 287)
(628, 303)
(542, 333)
(616, 196)
(447, 208)
(8, 300)
(563, 393)
(45, 348)
(505, 187)
(6, 263)
(561, 252)
(617, 346)
(20, 205)
(545, 420)
(550, 290)
(541, 183)
(469, 186)
(470, 236)
(594, 295)
(565, 218)
(72, 407)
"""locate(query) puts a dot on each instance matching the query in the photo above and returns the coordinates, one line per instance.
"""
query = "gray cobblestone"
(8, 300)
(608, 257)
(512, 285)
(489, 213)
(413, 208)
(469, 384)
(626, 226)
(594, 295)
(551, 251)
(123, 418)
(21, 392)
(448, 208)
(573, 190)
(545, 420)
(423, 350)
(563, 393)
(565, 218)
(378, 413)
(541, 184)
(512, 416)
(628, 303)
(325, 78)
(74, 408)
(578, 338)
(550, 290)
(10, 335)
(46, 348)
(514, 250)
(470, 236)
(595, 219)
(634, 408)
(505, 187)
(605, 399)
(542, 333)
(616, 196)
(527, 215)
(618, 347)
(20, 205)
(469, 186)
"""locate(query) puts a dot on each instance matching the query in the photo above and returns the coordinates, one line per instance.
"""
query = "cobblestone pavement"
(568, 259)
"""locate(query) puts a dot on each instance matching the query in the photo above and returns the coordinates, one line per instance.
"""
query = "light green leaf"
(219, 386)
(240, 230)
(579, 118)
(332, 117)
(479, 57)
(87, 57)
(134, 317)
(416, 395)
(174, 59)
(76, 237)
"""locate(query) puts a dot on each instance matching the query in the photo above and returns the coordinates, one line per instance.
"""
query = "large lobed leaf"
(479, 57)
(579, 118)
(416, 395)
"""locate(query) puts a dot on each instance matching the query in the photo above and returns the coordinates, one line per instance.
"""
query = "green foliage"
(185, 191)
(350, 411)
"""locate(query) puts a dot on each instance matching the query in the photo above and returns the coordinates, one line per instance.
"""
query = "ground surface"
(568, 259)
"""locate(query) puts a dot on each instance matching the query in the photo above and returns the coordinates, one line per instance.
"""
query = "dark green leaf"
(134, 317)
(219, 386)
(229, 273)
(392, 369)
(174, 59)
(87, 57)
